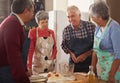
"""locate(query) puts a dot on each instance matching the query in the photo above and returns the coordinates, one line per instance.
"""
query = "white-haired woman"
(42, 49)
(106, 43)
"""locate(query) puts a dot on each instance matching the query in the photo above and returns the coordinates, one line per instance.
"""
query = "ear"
(25, 11)
(100, 18)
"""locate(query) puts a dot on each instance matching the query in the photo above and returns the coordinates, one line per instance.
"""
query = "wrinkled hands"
(81, 57)
(78, 59)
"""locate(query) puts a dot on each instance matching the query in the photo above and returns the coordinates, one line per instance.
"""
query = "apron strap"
(106, 27)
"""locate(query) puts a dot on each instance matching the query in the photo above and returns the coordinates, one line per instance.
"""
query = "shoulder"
(10, 21)
(52, 31)
(114, 23)
(88, 23)
(32, 32)
(67, 28)
(114, 26)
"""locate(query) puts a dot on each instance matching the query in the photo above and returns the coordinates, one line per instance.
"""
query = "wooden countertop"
(83, 78)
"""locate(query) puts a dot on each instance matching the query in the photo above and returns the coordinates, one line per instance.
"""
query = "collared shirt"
(110, 41)
(20, 20)
(80, 32)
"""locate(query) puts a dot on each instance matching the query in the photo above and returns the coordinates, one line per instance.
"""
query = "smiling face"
(74, 18)
(43, 23)
(98, 20)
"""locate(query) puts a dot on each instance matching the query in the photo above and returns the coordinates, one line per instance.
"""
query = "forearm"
(86, 54)
(115, 66)
(54, 52)
(65, 46)
(30, 54)
(94, 61)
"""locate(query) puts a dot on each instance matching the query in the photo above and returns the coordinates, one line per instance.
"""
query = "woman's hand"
(29, 72)
(111, 79)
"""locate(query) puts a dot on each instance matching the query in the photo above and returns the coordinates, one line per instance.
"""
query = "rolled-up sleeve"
(65, 41)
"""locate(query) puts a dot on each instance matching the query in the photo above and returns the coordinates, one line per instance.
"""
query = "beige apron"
(42, 55)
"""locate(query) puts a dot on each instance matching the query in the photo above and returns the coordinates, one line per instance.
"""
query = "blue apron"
(78, 47)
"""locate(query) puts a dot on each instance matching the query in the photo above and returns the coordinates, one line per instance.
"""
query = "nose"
(70, 19)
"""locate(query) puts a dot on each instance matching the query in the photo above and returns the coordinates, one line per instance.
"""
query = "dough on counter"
(55, 76)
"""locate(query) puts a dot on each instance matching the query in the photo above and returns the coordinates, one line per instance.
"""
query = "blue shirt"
(111, 40)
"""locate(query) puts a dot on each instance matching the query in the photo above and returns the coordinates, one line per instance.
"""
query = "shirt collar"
(20, 20)
(73, 26)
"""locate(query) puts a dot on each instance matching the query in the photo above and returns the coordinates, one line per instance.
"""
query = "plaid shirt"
(77, 33)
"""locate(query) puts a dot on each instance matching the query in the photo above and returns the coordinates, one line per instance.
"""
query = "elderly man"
(11, 42)
(78, 40)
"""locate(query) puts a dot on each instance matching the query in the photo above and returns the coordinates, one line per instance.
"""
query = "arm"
(54, 51)
(32, 37)
(94, 61)
(72, 56)
(116, 47)
(66, 44)
(114, 68)
(30, 54)
(83, 56)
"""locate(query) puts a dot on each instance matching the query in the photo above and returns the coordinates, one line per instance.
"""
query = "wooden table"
(83, 78)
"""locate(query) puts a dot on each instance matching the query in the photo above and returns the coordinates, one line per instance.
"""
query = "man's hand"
(81, 58)
(73, 57)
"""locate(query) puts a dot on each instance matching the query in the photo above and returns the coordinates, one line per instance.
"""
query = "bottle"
(91, 75)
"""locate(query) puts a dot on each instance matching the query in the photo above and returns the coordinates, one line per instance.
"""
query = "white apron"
(42, 55)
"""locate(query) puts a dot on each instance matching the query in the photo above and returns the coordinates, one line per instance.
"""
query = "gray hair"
(99, 8)
(41, 15)
(73, 9)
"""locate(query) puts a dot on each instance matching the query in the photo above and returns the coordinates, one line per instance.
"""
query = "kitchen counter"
(77, 78)
(83, 78)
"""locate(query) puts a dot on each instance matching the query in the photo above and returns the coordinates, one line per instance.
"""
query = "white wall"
(48, 5)
(60, 5)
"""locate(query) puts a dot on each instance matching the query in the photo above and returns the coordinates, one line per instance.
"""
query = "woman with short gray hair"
(41, 15)
(100, 9)
(42, 49)
(106, 47)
